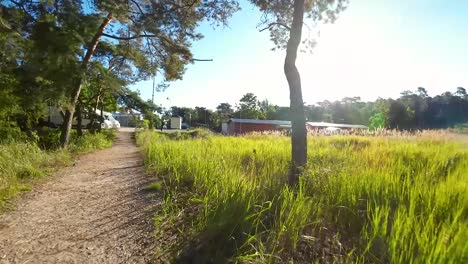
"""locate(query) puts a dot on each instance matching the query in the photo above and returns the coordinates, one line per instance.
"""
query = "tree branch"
(129, 38)
(140, 36)
(202, 59)
(145, 36)
(275, 24)
(18, 4)
(138, 6)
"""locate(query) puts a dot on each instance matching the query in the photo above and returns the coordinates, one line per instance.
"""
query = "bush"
(48, 138)
(109, 134)
(90, 142)
(9, 133)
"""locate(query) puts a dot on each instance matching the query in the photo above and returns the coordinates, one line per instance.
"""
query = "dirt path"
(97, 211)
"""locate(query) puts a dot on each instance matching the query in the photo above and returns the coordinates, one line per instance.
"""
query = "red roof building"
(236, 126)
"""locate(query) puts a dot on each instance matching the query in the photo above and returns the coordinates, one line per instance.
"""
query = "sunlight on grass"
(363, 199)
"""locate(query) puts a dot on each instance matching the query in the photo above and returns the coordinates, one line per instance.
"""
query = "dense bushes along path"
(98, 211)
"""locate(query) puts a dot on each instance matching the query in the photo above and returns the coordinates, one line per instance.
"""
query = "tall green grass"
(361, 200)
(22, 163)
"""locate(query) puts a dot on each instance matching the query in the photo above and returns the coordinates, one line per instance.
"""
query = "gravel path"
(97, 211)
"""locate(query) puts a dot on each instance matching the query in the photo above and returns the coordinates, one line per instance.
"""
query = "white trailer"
(176, 122)
(55, 119)
(224, 128)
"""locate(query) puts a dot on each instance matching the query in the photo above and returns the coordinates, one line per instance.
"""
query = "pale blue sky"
(377, 48)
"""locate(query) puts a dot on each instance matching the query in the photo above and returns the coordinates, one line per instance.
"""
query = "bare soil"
(99, 210)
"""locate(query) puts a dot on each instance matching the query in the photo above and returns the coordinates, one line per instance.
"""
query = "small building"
(224, 128)
(128, 119)
(237, 126)
(176, 122)
(241, 126)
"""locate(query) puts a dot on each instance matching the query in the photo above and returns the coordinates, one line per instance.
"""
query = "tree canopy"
(75, 54)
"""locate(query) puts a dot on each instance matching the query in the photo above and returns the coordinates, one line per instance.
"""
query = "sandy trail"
(97, 211)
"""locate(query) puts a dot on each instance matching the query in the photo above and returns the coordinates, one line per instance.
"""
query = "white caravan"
(55, 119)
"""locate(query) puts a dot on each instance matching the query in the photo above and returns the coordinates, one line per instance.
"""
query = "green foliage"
(377, 121)
(8, 101)
(9, 133)
(90, 142)
(153, 121)
(419, 111)
(349, 110)
(278, 17)
(389, 200)
(22, 163)
(48, 138)
(145, 124)
(249, 107)
(52, 50)
(410, 111)
(224, 109)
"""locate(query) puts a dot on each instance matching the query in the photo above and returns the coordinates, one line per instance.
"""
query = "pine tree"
(153, 35)
(285, 19)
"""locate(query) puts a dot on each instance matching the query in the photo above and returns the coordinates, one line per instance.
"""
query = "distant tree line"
(412, 110)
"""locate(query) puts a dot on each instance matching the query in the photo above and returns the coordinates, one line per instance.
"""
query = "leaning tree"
(155, 35)
(285, 19)
(159, 29)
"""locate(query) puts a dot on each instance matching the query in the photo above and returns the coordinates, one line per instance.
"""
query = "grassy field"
(363, 199)
(22, 163)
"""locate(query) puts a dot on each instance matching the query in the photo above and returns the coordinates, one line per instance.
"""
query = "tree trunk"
(93, 116)
(67, 124)
(79, 118)
(297, 115)
(102, 113)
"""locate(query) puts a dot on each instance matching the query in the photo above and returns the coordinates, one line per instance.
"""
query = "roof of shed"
(325, 124)
(284, 123)
(258, 121)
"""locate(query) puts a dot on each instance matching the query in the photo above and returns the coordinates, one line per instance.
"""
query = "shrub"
(90, 142)
(9, 133)
(48, 138)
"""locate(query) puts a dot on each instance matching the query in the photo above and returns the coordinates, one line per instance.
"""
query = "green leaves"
(278, 14)
(378, 120)
(46, 42)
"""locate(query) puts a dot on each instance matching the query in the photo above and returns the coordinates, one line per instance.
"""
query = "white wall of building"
(176, 122)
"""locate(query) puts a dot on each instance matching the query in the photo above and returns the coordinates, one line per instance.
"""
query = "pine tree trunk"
(67, 123)
(297, 115)
(93, 116)
(102, 113)
(79, 118)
